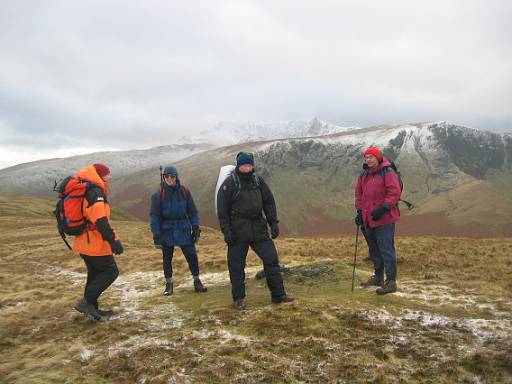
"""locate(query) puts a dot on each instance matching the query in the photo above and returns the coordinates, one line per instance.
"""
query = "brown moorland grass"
(449, 322)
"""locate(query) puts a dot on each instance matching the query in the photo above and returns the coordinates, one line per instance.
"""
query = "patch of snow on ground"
(136, 286)
(75, 277)
(86, 355)
(134, 343)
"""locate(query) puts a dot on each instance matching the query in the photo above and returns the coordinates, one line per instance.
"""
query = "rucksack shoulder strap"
(385, 170)
(185, 192)
(236, 180)
(94, 194)
(257, 180)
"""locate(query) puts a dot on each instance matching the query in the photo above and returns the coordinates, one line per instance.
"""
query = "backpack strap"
(185, 192)
(236, 182)
(93, 194)
(392, 168)
(238, 186)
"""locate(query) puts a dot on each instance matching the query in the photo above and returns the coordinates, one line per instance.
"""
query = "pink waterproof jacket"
(375, 187)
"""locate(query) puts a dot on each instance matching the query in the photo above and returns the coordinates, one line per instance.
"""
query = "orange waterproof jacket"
(91, 242)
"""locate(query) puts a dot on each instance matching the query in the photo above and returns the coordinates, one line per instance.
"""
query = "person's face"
(170, 179)
(245, 168)
(107, 178)
(371, 160)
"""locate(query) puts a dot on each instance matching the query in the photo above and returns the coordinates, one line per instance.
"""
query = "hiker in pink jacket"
(376, 197)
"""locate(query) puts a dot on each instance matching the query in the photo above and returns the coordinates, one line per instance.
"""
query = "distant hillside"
(458, 178)
(37, 177)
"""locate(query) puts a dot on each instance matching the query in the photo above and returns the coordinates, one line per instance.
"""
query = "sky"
(83, 76)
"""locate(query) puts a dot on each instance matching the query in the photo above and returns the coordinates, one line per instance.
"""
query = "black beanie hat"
(244, 158)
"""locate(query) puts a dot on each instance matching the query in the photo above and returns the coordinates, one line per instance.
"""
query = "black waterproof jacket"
(240, 210)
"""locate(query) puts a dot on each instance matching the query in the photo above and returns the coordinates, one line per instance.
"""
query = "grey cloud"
(125, 73)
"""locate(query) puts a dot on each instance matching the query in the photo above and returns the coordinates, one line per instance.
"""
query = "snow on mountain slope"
(233, 133)
(36, 177)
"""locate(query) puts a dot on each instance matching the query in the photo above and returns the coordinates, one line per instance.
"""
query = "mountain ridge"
(313, 178)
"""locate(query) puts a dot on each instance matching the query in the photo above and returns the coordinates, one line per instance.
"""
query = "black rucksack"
(392, 168)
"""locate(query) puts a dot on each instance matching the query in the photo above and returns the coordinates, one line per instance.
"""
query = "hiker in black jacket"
(241, 201)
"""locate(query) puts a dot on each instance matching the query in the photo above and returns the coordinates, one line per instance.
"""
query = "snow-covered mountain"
(458, 178)
(36, 177)
(234, 133)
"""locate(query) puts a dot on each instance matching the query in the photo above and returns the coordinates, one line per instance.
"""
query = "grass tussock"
(449, 322)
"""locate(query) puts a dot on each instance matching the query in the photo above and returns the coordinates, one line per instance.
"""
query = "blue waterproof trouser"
(381, 243)
(266, 251)
(190, 254)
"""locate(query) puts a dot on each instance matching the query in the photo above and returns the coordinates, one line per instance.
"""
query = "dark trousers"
(101, 273)
(190, 254)
(266, 251)
(381, 243)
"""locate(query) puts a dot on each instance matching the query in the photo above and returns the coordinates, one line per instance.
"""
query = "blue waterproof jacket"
(172, 220)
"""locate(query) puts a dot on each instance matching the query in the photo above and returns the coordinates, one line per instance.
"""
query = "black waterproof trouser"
(101, 273)
(266, 251)
(190, 253)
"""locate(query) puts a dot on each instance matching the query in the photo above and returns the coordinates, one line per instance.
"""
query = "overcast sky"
(82, 76)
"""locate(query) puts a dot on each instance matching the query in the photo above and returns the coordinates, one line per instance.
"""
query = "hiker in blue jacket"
(175, 222)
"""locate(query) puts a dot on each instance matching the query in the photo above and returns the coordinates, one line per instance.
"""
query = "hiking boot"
(168, 289)
(105, 312)
(198, 286)
(87, 309)
(282, 299)
(374, 280)
(239, 304)
(388, 287)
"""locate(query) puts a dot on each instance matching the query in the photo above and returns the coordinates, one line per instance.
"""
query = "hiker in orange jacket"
(98, 242)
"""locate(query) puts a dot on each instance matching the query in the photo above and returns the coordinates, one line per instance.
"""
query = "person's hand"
(196, 233)
(378, 213)
(359, 217)
(229, 238)
(117, 247)
(274, 230)
(158, 242)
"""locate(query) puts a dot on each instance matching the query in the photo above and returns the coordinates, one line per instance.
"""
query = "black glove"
(196, 233)
(229, 238)
(117, 247)
(158, 242)
(379, 212)
(274, 230)
(359, 217)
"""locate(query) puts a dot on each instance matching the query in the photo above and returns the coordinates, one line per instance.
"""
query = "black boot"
(87, 309)
(388, 287)
(374, 280)
(168, 289)
(105, 312)
(198, 286)
(282, 299)
(239, 304)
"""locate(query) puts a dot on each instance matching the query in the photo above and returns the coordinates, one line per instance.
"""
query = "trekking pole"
(355, 255)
